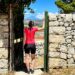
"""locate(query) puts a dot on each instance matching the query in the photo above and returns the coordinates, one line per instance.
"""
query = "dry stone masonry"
(3, 43)
(61, 40)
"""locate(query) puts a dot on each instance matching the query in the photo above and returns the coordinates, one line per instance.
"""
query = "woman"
(29, 45)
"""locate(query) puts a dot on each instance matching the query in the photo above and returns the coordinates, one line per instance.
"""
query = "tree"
(15, 9)
(5, 3)
(66, 6)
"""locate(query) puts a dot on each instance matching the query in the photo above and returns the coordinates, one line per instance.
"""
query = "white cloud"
(40, 15)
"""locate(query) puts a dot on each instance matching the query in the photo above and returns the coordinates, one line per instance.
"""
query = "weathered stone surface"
(3, 35)
(68, 28)
(53, 45)
(73, 43)
(3, 22)
(68, 40)
(3, 53)
(56, 62)
(4, 43)
(70, 61)
(63, 48)
(54, 54)
(69, 56)
(66, 24)
(71, 50)
(3, 63)
(61, 23)
(56, 38)
(52, 17)
(53, 23)
(68, 18)
(74, 56)
(52, 49)
(73, 32)
(63, 55)
(69, 37)
(57, 30)
(73, 17)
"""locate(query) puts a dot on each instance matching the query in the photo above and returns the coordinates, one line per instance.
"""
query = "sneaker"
(28, 72)
(32, 71)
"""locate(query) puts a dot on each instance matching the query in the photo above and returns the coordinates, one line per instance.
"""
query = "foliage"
(66, 7)
(4, 4)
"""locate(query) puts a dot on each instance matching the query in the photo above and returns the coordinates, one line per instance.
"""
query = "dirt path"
(36, 72)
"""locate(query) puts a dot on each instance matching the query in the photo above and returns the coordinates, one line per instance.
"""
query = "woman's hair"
(31, 24)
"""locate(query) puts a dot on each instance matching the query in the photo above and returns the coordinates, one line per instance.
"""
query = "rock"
(69, 56)
(63, 55)
(53, 23)
(53, 45)
(68, 40)
(68, 28)
(63, 48)
(68, 18)
(52, 17)
(74, 56)
(71, 50)
(3, 63)
(61, 23)
(73, 17)
(3, 53)
(70, 61)
(52, 49)
(69, 37)
(54, 54)
(73, 43)
(56, 39)
(56, 30)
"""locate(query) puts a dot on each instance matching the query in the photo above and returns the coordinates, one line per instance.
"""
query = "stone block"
(70, 61)
(52, 49)
(52, 17)
(56, 30)
(56, 39)
(3, 42)
(73, 43)
(63, 48)
(3, 21)
(69, 56)
(71, 50)
(68, 18)
(56, 62)
(53, 45)
(61, 23)
(66, 24)
(54, 54)
(3, 63)
(68, 28)
(3, 29)
(68, 40)
(73, 17)
(53, 23)
(74, 57)
(63, 55)
(3, 53)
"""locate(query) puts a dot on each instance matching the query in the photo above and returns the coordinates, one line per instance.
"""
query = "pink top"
(30, 35)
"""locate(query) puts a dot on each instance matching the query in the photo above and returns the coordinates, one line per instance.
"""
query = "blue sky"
(40, 6)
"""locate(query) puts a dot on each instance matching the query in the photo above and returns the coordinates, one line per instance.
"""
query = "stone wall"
(61, 40)
(3, 43)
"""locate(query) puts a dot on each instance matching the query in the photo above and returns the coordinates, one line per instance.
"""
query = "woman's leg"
(27, 61)
(32, 64)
